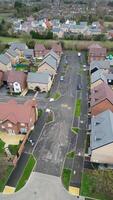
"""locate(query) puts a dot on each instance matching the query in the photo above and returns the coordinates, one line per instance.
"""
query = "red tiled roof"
(14, 112)
(98, 51)
(100, 93)
(16, 76)
(57, 47)
(94, 46)
(39, 47)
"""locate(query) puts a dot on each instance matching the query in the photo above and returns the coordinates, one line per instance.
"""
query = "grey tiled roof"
(50, 61)
(37, 77)
(12, 52)
(4, 59)
(53, 54)
(98, 75)
(101, 64)
(28, 52)
(17, 45)
(102, 129)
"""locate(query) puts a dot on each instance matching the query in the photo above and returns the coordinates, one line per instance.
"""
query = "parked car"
(61, 78)
(79, 54)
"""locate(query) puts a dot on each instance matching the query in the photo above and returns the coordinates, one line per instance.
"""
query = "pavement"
(42, 187)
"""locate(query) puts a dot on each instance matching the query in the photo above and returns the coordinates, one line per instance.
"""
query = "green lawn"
(4, 180)
(26, 173)
(75, 130)
(66, 175)
(13, 149)
(97, 184)
(1, 146)
(56, 96)
(40, 112)
(77, 109)
(70, 154)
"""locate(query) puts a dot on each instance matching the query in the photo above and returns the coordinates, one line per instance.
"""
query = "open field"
(68, 44)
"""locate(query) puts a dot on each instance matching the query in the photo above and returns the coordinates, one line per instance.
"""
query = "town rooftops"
(16, 112)
(101, 64)
(98, 75)
(12, 52)
(102, 129)
(4, 59)
(50, 61)
(100, 93)
(19, 46)
(39, 77)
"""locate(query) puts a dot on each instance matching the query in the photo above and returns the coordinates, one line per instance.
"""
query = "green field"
(68, 44)
(97, 184)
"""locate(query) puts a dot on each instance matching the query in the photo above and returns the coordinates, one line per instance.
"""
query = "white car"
(79, 54)
(61, 78)
(51, 99)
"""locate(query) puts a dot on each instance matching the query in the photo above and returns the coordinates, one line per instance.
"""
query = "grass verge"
(13, 149)
(56, 96)
(71, 154)
(77, 109)
(75, 130)
(66, 175)
(26, 173)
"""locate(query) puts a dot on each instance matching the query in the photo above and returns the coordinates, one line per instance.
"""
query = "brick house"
(49, 64)
(19, 48)
(16, 118)
(97, 78)
(96, 53)
(40, 51)
(57, 48)
(16, 81)
(101, 99)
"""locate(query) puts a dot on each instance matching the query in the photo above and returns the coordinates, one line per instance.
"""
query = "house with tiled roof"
(18, 47)
(100, 64)
(97, 78)
(16, 118)
(52, 54)
(101, 99)
(40, 51)
(57, 48)
(16, 81)
(49, 64)
(5, 63)
(40, 81)
(96, 52)
(101, 139)
(13, 55)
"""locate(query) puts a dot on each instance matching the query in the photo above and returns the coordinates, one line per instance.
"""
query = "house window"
(22, 124)
(23, 130)
(3, 127)
(9, 125)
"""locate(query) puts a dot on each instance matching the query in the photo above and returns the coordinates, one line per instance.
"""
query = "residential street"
(54, 140)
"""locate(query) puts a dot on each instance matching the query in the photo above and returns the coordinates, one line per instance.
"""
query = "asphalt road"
(55, 139)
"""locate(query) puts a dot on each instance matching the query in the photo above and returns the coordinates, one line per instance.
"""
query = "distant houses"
(40, 78)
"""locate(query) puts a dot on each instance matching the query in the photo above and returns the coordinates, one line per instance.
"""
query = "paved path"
(42, 187)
